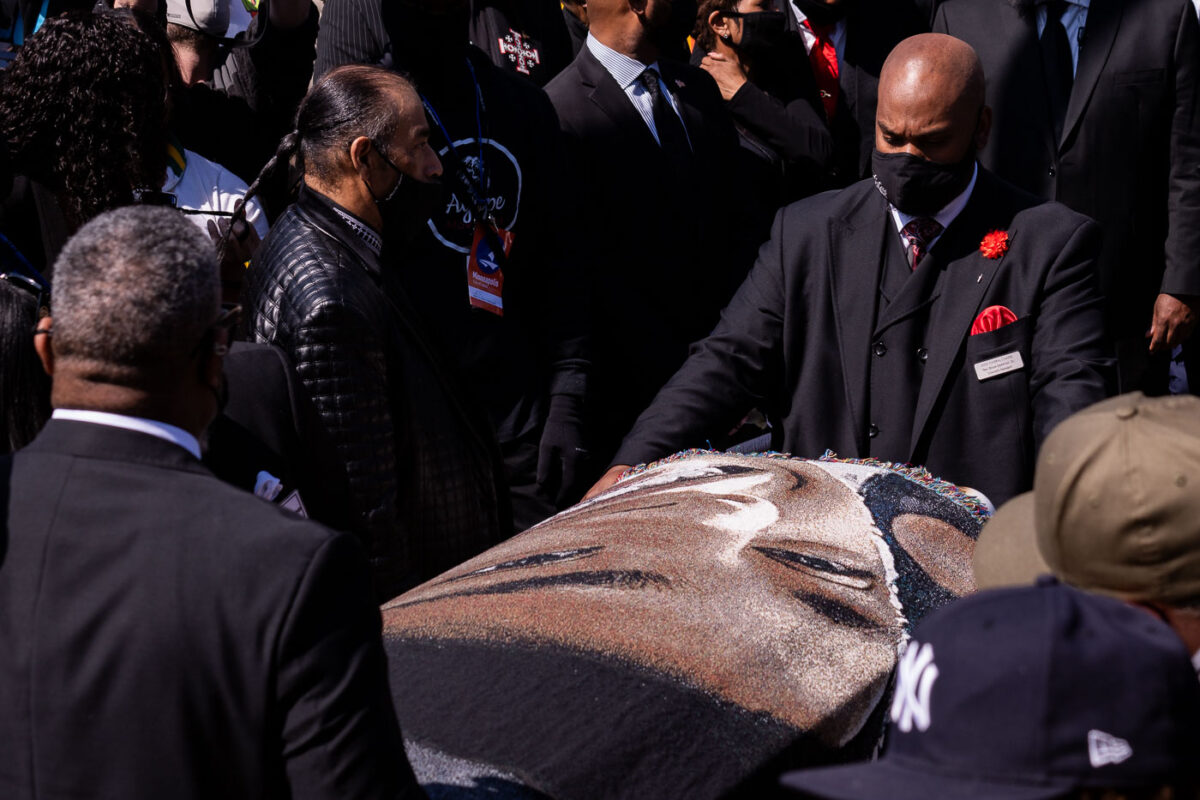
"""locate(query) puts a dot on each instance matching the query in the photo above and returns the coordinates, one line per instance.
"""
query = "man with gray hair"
(167, 635)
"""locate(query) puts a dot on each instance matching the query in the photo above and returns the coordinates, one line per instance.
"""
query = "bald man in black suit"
(936, 316)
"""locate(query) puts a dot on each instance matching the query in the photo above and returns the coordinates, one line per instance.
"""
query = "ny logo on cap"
(910, 705)
(1104, 748)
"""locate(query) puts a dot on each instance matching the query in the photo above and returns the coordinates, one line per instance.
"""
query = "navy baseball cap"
(1031, 693)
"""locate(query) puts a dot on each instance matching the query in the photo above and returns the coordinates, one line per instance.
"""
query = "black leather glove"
(562, 454)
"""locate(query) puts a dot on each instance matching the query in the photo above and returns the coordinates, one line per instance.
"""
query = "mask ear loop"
(399, 179)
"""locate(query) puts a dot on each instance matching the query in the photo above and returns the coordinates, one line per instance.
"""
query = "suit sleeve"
(736, 368)
(564, 294)
(794, 130)
(1071, 368)
(339, 729)
(1182, 273)
(340, 361)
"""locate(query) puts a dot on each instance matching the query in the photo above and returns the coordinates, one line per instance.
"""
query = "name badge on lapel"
(1000, 365)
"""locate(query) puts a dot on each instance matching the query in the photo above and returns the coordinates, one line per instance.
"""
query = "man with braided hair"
(499, 266)
(420, 461)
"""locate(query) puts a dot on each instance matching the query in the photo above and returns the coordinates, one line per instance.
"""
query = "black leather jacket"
(421, 462)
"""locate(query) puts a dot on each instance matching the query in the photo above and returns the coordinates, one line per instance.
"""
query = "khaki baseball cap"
(1115, 507)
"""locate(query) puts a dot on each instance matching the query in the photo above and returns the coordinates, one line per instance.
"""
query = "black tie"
(671, 135)
(1057, 64)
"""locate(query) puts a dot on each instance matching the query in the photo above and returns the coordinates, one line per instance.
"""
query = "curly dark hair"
(83, 107)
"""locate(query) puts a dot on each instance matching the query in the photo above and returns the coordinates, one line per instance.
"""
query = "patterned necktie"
(1057, 64)
(917, 235)
(672, 137)
(824, 60)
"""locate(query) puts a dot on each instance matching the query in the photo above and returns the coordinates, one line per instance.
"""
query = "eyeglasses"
(23, 275)
(39, 292)
(230, 315)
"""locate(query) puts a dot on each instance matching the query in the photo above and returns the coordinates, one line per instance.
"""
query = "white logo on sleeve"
(910, 705)
(1104, 748)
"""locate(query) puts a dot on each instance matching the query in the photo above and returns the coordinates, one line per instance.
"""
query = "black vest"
(898, 347)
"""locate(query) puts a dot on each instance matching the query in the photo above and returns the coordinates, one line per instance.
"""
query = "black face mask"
(918, 187)
(407, 208)
(819, 13)
(763, 33)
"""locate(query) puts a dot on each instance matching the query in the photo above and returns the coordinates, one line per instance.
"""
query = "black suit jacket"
(666, 249)
(796, 339)
(1129, 156)
(168, 635)
(270, 424)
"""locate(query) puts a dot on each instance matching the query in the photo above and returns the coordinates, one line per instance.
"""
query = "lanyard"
(475, 189)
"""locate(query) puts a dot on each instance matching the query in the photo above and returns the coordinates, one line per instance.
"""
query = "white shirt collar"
(152, 427)
(625, 70)
(948, 213)
(1196, 662)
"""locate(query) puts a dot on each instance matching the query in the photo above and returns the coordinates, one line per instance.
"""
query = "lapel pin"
(980, 278)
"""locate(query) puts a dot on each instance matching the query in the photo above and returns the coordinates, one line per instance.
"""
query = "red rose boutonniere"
(995, 244)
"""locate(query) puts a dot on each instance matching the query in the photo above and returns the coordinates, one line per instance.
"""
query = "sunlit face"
(761, 581)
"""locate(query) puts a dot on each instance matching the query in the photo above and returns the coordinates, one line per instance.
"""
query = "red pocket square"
(992, 318)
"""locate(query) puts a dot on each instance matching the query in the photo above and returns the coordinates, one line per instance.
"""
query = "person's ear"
(43, 345)
(984, 129)
(214, 367)
(638, 7)
(719, 23)
(359, 148)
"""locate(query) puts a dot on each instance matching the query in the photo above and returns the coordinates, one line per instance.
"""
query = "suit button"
(922, 354)
(873, 431)
(880, 349)
(1051, 172)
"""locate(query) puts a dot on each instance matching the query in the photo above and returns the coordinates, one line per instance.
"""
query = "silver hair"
(135, 290)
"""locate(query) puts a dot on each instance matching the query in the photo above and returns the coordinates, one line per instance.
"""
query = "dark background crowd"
(478, 258)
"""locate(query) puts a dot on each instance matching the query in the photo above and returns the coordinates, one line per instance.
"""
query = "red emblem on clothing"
(995, 244)
(519, 52)
(993, 318)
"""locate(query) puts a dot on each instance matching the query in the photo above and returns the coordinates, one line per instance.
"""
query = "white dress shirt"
(625, 72)
(944, 217)
(152, 427)
(1074, 19)
(837, 36)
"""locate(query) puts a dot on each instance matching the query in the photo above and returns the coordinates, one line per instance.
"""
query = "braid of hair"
(287, 147)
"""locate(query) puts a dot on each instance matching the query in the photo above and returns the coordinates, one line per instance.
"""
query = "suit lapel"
(693, 122)
(856, 255)
(1028, 65)
(1103, 20)
(965, 284)
(603, 90)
